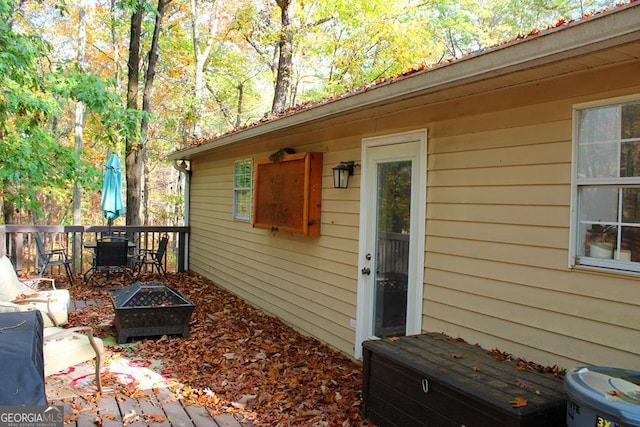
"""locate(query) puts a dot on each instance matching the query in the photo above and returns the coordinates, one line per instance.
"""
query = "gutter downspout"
(183, 167)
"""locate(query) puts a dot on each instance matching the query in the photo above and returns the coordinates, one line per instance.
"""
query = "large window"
(607, 185)
(242, 179)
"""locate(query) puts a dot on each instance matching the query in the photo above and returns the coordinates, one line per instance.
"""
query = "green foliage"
(337, 45)
(36, 158)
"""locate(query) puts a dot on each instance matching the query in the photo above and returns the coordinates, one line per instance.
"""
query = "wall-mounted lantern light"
(341, 174)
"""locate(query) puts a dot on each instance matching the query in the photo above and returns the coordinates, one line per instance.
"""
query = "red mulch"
(240, 360)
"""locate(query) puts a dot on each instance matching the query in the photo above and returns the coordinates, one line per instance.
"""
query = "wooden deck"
(157, 409)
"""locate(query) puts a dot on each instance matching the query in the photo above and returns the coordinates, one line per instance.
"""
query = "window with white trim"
(242, 185)
(607, 185)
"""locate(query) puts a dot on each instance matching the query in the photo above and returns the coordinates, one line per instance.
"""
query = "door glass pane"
(392, 248)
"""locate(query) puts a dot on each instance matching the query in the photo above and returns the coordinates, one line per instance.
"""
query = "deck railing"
(18, 243)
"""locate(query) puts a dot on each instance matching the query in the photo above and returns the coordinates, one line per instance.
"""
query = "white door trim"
(418, 216)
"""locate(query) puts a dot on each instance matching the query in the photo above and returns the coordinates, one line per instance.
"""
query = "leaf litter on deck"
(241, 360)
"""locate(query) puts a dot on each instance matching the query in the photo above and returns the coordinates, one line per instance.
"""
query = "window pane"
(242, 174)
(599, 204)
(242, 180)
(630, 159)
(629, 245)
(631, 121)
(630, 241)
(245, 180)
(598, 143)
(598, 160)
(237, 173)
(631, 205)
(243, 203)
(599, 213)
(599, 124)
(608, 226)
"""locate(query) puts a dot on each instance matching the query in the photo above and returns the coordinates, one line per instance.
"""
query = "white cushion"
(57, 302)
(9, 307)
(67, 349)
(10, 286)
(11, 290)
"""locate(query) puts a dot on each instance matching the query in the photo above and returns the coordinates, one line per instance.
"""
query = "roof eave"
(611, 28)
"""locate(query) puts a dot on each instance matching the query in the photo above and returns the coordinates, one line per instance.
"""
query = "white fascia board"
(615, 27)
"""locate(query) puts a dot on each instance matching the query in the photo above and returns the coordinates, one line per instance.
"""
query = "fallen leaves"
(525, 365)
(130, 417)
(243, 401)
(154, 418)
(241, 360)
(519, 402)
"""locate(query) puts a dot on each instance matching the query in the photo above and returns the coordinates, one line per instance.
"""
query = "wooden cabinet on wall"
(287, 194)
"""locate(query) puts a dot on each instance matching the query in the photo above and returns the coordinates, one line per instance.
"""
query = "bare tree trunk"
(79, 125)
(285, 58)
(201, 55)
(114, 42)
(240, 99)
(8, 210)
(134, 147)
(79, 120)
(145, 201)
(148, 92)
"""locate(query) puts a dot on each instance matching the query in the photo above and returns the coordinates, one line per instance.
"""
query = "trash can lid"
(613, 390)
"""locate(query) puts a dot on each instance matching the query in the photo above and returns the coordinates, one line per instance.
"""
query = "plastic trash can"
(602, 397)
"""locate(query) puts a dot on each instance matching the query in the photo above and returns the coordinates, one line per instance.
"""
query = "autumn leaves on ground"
(240, 360)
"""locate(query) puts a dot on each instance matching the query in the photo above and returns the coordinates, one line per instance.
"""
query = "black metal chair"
(52, 258)
(155, 258)
(111, 256)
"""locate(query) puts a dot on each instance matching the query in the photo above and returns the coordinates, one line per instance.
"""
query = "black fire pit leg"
(122, 338)
(185, 331)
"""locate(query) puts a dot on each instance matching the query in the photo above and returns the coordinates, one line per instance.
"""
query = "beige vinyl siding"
(498, 213)
(497, 228)
(306, 281)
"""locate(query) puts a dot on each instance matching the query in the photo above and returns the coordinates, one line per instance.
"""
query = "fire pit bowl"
(151, 309)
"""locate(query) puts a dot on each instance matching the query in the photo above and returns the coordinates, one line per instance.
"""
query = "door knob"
(366, 271)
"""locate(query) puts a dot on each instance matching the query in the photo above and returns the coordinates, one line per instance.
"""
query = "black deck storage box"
(433, 380)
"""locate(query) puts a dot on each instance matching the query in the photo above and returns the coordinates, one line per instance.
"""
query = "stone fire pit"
(152, 309)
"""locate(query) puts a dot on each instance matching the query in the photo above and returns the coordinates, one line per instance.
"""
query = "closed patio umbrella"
(112, 205)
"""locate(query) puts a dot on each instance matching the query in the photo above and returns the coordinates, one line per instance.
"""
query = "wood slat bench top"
(424, 368)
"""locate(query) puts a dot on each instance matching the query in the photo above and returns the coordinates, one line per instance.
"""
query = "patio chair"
(153, 257)
(53, 257)
(111, 256)
(17, 295)
(64, 348)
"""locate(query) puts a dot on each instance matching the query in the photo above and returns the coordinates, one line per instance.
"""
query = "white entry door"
(392, 233)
